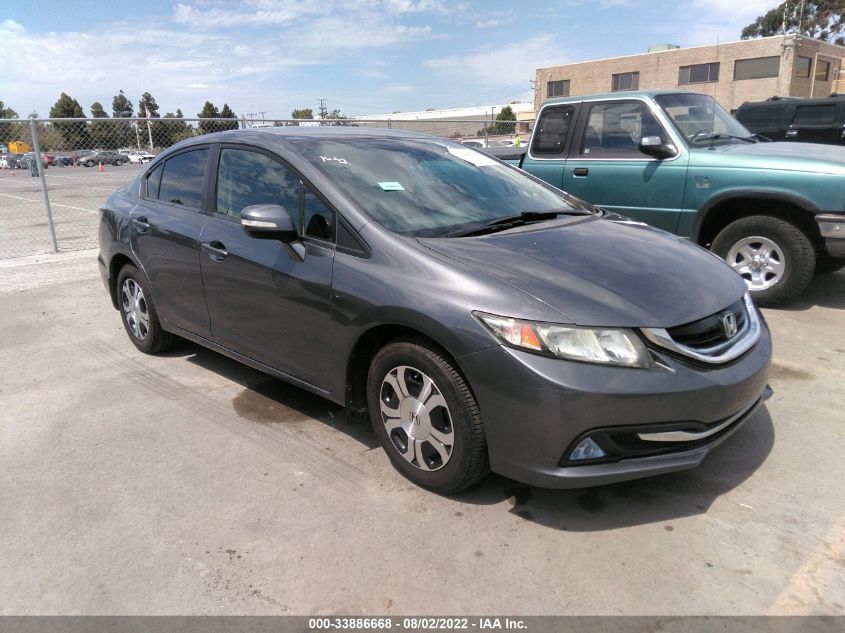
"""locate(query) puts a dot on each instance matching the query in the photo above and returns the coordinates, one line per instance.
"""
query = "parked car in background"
(680, 162)
(479, 142)
(104, 158)
(140, 156)
(76, 156)
(30, 157)
(14, 161)
(481, 318)
(804, 120)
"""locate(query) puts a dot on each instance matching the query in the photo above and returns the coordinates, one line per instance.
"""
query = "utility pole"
(323, 110)
(149, 129)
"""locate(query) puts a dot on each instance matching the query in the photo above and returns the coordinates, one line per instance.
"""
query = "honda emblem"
(729, 324)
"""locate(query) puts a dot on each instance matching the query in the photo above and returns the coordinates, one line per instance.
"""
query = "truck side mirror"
(269, 222)
(654, 146)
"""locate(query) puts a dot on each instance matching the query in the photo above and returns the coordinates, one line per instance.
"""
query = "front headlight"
(608, 346)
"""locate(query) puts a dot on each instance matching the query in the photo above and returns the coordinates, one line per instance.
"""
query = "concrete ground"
(190, 484)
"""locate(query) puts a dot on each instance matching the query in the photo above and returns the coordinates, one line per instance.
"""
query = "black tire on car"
(826, 264)
(774, 256)
(138, 313)
(416, 398)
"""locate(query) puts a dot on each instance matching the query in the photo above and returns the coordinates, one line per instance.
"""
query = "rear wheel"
(776, 258)
(138, 313)
(426, 417)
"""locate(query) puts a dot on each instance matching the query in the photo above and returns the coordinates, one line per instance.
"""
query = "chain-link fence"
(52, 205)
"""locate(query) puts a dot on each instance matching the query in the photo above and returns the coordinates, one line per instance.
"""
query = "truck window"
(552, 129)
(615, 129)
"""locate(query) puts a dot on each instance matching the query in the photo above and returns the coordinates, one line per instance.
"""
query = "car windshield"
(428, 187)
(701, 120)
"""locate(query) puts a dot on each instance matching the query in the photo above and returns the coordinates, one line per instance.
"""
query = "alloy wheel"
(758, 260)
(135, 309)
(416, 418)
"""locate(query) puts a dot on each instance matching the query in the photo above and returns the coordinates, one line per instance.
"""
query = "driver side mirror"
(654, 146)
(268, 222)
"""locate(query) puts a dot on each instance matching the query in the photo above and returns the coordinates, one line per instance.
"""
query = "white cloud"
(399, 88)
(197, 50)
(489, 24)
(506, 64)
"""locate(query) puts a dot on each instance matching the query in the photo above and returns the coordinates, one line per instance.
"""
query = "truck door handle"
(580, 172)
(215, 250)
(142, 225)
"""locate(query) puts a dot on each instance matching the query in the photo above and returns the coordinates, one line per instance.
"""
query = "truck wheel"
(826, 264)
(775, 257)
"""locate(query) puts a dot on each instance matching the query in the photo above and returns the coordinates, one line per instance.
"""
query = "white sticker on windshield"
(471, 156)
(391, 186)
(335, 159)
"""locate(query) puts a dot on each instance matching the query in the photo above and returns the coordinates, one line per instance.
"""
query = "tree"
(170, 131)
(209, 111)
(337, 114)
(302, 113)
(821, 20)
(74, 133)
(102, 133)
(147, 107)
(226, 113)
(121, 108)
(505, 114)
(10, 131)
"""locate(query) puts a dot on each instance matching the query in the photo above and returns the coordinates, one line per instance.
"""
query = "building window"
(802, 66)
(558, 88)
(822, 70)
(626, 81)
(757, 68)
(698, 74)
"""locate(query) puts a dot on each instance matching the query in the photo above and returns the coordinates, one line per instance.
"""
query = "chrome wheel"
(416, 418)
(135, 309)
(758, 260)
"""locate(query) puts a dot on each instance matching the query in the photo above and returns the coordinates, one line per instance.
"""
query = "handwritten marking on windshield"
(335, 159)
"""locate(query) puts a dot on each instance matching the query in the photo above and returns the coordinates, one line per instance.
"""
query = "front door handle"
(142, 225)
(580, 172)
(215, 250)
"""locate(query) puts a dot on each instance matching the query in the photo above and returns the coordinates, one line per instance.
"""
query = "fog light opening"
(586, 449)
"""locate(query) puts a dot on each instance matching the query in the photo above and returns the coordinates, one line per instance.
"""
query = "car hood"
(806, 157)
(602, 272)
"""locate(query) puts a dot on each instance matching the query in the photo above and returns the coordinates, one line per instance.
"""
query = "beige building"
(734, 72)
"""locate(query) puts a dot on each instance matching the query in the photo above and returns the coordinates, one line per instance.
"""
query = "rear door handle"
(580, 171)
(142, 225)
(215, 250)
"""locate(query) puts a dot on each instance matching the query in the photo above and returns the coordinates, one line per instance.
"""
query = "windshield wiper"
(520, 219)
(714, 136)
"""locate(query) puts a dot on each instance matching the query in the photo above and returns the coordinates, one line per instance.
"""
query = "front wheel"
(426, 417)
(138, 313)
(776, 259)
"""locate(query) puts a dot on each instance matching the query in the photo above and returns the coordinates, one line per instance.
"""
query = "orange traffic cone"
(101, 169)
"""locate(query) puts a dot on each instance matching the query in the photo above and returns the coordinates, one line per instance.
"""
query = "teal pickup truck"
(678, 161)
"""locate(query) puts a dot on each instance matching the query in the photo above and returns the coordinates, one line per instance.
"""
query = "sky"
(361, 56)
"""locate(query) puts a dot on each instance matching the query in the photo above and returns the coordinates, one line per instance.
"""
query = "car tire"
(447, 412)
(774, 256)
(826, 264)
(138, 313)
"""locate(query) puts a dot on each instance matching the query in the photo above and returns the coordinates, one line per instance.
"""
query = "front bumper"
(832, 229)
(534, 409)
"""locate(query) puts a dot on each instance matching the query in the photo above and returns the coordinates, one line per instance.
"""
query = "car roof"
(622, 94)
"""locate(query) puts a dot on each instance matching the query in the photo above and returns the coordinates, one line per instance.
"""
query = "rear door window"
(815, 114)
(552, 130)
(182, 179)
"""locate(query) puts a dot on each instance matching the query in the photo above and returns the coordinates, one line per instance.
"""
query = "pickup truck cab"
(678, 161)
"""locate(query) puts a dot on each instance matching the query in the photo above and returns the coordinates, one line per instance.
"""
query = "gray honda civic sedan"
(482, 319)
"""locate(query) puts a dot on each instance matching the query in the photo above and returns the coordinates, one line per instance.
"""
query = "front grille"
(709, 332)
